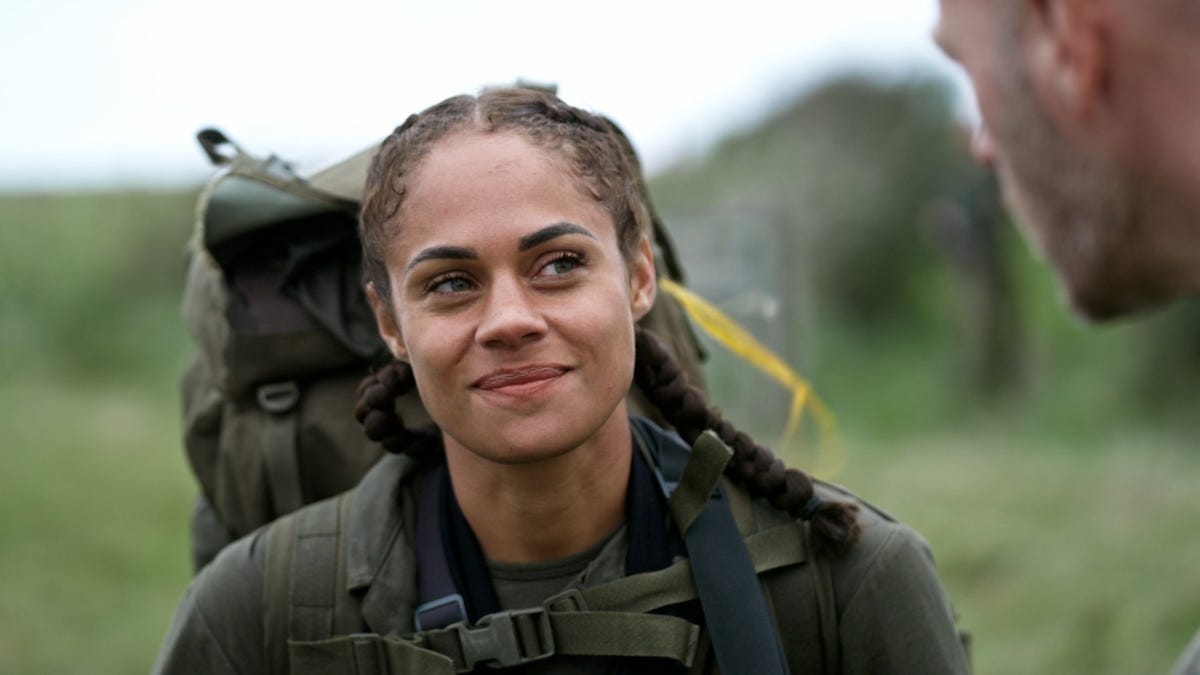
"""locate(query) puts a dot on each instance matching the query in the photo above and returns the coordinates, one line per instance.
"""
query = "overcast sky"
(106, 92)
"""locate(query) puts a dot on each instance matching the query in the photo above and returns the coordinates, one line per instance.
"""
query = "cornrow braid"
(594, 151)
(833, 524)
(554, 110)
(376, 411)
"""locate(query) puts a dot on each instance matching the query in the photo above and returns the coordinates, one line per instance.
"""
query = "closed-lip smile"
(503, 378)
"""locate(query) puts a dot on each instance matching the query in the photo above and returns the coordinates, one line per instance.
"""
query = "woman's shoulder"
(880, 530)
(220, 623)
(882, 534)
(217, 627)
(892, 612)
(883, 539)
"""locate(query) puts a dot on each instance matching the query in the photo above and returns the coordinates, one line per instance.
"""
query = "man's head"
(1071, 95)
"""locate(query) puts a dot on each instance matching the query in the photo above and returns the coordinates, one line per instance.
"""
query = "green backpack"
(283, 335)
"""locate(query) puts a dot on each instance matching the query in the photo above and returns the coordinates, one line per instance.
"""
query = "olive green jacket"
(892, 614)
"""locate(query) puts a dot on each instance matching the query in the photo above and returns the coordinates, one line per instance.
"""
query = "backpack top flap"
(289, 264)
(253, 193)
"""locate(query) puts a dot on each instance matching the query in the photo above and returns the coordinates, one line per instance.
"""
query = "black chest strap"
(735, 611)
(440, 602)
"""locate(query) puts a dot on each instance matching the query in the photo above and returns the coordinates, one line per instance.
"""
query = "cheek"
(426, 346)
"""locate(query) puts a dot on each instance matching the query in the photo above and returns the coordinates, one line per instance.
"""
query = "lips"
(504, 378)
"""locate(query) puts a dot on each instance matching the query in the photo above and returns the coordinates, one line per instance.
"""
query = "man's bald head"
(1081, 113)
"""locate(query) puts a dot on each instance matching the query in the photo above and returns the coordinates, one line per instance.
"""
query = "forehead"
(489, 157)
(477, 183)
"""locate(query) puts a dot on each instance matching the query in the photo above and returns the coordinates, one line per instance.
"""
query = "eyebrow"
(523, 244)
(551, 232)
(442, 253)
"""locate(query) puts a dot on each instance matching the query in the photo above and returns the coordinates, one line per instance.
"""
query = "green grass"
(1059, 559)
(93, 525)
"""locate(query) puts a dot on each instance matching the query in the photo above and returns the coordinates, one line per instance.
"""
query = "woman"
(506, 261)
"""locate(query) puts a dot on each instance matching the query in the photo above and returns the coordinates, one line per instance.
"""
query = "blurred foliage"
(833, 182)
(89, 283)
(95, 492)
(851, 232)
(847, 231)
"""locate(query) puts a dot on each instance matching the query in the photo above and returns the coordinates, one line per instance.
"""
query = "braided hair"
(607, 170)
(834, 526)
(593, 150)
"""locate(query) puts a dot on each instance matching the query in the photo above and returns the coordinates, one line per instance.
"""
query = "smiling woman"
(538, 524)
(514, 305)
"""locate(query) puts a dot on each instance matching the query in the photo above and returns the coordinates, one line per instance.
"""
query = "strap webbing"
(314, 572)
(281, 537)
(445, 650)
(367, 655)
(735, 610)
(279, 400)
(831, 649)
(700, 476)
(304, 598)
(625, 634)
(771, 549)
(570, 634)
(439, 603)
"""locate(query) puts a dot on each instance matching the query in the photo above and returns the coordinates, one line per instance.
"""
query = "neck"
(550, 508)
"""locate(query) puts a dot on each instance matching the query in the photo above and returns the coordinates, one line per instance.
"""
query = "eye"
(562, 262)
(449, 284)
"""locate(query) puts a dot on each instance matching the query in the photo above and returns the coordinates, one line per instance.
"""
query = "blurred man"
(1091, 115)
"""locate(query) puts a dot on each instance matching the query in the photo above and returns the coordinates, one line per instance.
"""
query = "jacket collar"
(380, 564)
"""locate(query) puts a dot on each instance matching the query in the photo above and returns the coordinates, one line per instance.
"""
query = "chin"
(525, 441)
(1107, 297)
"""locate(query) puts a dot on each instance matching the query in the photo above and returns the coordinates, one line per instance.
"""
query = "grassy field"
(1067, 547)
(1059, 559)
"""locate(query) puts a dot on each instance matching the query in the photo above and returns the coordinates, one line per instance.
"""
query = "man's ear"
(385, 321)
(643, 286)
(1069, 56)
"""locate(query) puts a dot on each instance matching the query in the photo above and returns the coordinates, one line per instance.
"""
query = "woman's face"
(511, 300)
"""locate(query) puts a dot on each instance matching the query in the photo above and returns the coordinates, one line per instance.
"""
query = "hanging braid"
(376, 411)
(834, 526)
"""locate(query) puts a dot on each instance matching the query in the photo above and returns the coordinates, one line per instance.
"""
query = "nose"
(511, 316)
(983, 149)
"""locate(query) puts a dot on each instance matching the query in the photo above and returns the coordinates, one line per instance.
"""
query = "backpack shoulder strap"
(783, 608)
(735, 608)
(306, 599)
(822, 580)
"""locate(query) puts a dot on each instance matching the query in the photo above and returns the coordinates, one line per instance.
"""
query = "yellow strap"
(735, 338)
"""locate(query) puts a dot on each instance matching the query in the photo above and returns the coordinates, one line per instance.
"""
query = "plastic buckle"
(454, 611)
(278, 397)
(507, 639)
(570, 600)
